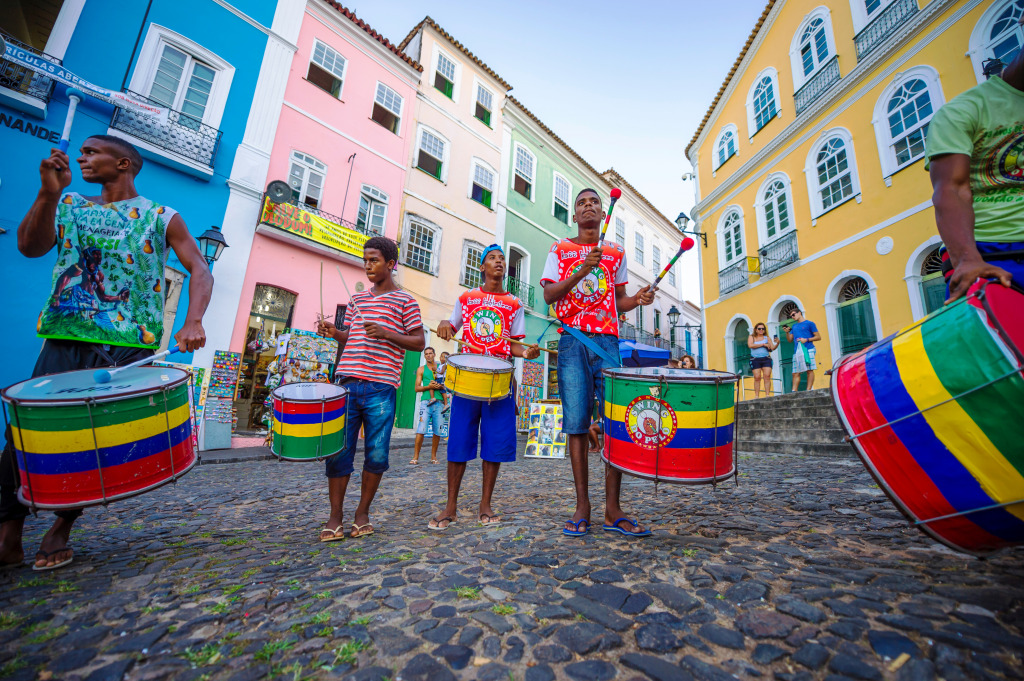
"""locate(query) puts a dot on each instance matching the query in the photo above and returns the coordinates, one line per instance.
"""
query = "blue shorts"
(370, 404)
(430, 414)
(492, 423)
(580, 381)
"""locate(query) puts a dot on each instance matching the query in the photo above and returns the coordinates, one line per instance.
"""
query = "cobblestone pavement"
(804, 570)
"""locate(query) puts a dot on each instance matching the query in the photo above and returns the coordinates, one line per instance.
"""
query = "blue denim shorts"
(430, 414)
(580, 382)
(493, 424)
(370, 404)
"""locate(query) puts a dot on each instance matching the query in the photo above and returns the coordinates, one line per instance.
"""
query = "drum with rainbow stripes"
(80, 443)
(935, 412)
(309, 421)
(670, 425)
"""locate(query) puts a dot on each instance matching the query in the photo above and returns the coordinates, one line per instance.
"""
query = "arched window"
(997, 35)
(902, 115)
(741, 352)
(856, 317)
(762, 100)
(831, 172)
(933, 285)
(725, 146)
(775, 205)
(813, 46)
(731, 238)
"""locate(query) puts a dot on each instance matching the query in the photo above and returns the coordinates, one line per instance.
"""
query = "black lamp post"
(682, 220)
(673, 318)
(212, 244)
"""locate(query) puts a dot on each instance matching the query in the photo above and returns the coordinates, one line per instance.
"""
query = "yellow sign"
(294, 220)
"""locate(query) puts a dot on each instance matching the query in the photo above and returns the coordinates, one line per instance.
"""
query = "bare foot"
(11, 550)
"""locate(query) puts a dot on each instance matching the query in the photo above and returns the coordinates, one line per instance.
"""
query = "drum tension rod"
(960, 514)
(99, 464)
(170, 443)
(24, 454)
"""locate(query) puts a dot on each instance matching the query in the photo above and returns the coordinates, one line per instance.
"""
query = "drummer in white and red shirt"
(488, 317)
(587, 287)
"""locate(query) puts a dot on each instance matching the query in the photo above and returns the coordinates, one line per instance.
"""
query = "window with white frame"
(387, 108)
(656, 259)
(431, 156)
(775, 205)
(813, 46)
(997, 35)
(421, 242)
(373, 210)
(471, 254)
(326, 69)
(763, 100)
(482, 189)
(901, 117)
(484, 105)
(672, 276)
(183, 83)
(831, 171)
(638, 247)
(444, 76)
(866, 11)
(620, 232)
(725, 145)
(306, 178)
(731, 234)
(560, 199)
(525, 163)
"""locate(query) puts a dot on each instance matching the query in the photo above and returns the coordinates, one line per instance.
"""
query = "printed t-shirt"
(108, 281)
(488, 320)
(804, 329)
(987, 124)
(590, 305)
(375, 359)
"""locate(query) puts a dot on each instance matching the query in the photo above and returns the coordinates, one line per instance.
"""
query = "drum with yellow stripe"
(80, 443)
(670, 425)
(478, 377)
(935, 413)
(309, 421)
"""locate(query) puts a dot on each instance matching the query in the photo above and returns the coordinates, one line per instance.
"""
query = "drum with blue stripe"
(309, 421)
(80, 443)
(670, 425)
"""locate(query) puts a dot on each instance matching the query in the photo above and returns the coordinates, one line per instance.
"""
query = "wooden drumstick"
(510, 340)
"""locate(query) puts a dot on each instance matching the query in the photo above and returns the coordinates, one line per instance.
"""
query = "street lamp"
(682, 220)
(212, 244)
(673, 318)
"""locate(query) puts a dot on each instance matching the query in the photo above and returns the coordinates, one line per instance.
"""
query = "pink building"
(341, 145)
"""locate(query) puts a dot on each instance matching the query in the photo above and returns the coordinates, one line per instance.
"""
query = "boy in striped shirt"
(379, 326)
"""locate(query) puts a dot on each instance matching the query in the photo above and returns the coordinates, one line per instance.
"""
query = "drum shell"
(942, 444)
(475, 383)
(309, 430)
(695, 445)
(57, 453)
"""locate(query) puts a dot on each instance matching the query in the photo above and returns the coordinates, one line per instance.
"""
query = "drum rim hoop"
(482, 370)
(717, 377)
(49, 401)
(294, 400)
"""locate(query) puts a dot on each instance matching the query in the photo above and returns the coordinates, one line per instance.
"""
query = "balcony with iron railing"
(817, 85)
(328, 217)
(733, 277)
(521, 290)
(779, 253)
(182, 135)
(884, 25)
(23, 81)
(627, 331)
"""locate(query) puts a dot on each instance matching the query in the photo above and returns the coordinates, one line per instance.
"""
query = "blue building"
(202, 59)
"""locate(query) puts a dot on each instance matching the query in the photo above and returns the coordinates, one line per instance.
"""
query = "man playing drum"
(488, 316)
(116, 241)
(587, 286)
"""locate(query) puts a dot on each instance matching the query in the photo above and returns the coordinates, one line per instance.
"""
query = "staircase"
(802, 424)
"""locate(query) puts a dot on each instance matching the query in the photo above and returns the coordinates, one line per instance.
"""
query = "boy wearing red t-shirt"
(587, 287)
(487, 316)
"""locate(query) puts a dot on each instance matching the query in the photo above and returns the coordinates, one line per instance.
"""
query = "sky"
(625, 85)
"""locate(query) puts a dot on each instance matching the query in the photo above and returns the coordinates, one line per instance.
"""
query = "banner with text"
(307, 225)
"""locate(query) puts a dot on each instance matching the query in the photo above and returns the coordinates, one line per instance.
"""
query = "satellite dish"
(279, 191)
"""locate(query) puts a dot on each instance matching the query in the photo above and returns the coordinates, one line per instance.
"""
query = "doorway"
(269, 315)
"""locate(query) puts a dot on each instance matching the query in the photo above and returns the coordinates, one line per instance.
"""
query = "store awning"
(634, 354)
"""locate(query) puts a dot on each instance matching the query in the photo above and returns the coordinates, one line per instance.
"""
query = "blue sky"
(624, 84)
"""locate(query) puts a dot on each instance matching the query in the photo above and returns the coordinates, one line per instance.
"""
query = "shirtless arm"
(192, 336)
(36, 235)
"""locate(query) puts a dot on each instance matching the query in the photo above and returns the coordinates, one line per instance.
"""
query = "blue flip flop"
(614, 527)
(577, 532)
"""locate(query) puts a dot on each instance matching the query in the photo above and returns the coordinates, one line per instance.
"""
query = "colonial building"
(809, 165)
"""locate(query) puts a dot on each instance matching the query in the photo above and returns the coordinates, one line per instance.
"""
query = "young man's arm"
(192, 336)
(556, 290)
(625, 303)
(954, 216)
(419, 380)
(36, 233)
(414, 341)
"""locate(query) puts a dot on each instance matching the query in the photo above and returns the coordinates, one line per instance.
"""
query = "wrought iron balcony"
(22, 80)
(882, 26)
(182, 134)
(779, 253)
(521, 290)
(733, 277)
(819, 83)
(627, 331)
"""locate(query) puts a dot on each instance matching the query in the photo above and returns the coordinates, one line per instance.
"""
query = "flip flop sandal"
(414, 462)
(337, 534)
(576, 524)
(489, 519)
(357, 530)
(45, 555)
(438, 521)
(614, 527)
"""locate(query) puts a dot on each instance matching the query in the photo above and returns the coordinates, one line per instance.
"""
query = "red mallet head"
(616, 193)
(686, 245)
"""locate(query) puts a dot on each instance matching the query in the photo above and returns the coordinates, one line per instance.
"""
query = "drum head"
(77, 386)
(479, 362)
(658, 374)
(308, 392)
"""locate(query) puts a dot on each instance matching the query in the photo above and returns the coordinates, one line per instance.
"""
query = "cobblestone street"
(802, 570)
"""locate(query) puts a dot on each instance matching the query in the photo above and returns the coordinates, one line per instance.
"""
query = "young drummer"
(587, 286)
(488, 317)
(381, 324)
(106, 301)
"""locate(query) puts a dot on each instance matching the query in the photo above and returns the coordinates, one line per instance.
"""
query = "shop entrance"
(270, 315)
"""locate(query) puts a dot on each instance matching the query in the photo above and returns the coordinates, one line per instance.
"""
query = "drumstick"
(351, 304)
(686, 245)
(510, 340)
(104, 375)
(615, 194)
(322, 289)
(74, 97)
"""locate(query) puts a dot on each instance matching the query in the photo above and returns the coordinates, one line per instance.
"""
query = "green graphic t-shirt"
(987, 123)
(108, 282)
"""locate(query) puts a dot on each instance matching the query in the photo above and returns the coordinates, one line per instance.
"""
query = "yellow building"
(809, 168)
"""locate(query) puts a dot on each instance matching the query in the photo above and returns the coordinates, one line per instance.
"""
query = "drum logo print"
(591, 288)
(486, 327)
(650, 422)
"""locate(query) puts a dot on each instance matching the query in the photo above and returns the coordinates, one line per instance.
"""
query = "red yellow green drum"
(309, 421)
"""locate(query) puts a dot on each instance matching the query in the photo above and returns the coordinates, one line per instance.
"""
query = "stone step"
(795, 415)
(786, 422)
(786, 402)
(783, 437)
(746, 446)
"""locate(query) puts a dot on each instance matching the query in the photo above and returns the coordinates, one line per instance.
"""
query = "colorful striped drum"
(936, 414)
(81, 443)
(670, 425)
(309, 421)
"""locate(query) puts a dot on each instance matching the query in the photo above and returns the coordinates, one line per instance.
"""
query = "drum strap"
(592, 346)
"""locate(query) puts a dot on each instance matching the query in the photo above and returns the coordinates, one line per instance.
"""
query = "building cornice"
(427, 21)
